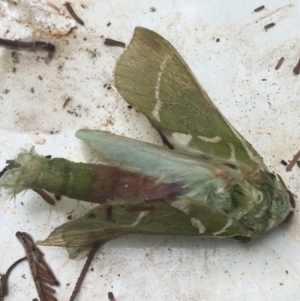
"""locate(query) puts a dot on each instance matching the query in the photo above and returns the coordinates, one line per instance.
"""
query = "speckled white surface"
(237, 72)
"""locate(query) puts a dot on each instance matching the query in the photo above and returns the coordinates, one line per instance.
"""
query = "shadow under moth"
(212, 183)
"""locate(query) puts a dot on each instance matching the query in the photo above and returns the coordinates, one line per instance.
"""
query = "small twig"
(45, 196)
(259, 8)
(42, 275)
(278, 65)
(111, 296)
(111, 42)
(50, 48)
(73, 14)
(66, 102)
(293, 162)
(84, 271)
(27, 45)
(297, 68)
(269, 26)
(4, 279)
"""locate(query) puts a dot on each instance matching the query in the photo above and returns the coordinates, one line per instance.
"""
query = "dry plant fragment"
(297, 68)
(111, 42)
(259, 8)
(293, 162)
(278, 65)
(111, 296)
(42, 275)
(269, 26)
(27, 45)
(84, 270)
(4, 279)
(73, 14)
(66, 102)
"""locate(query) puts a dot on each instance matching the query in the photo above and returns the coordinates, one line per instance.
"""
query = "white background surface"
(237, 72)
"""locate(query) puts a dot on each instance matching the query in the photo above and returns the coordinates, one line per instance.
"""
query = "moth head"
(275, 206)
(23, 171)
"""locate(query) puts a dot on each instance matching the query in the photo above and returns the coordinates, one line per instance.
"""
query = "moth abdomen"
(94, 183)
(111, 183)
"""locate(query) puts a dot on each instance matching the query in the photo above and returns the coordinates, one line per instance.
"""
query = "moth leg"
(164, 139)
(3, 171)
(109, 211)
(45, 196)
(288, 218)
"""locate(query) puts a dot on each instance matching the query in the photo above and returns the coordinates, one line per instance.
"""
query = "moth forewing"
(152, 76)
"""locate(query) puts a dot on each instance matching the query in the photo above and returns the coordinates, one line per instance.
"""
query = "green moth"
(211, 183)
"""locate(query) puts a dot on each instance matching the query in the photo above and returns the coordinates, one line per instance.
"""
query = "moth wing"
(155, 161)
(152, 76)
(166, 219)
(134, 153)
